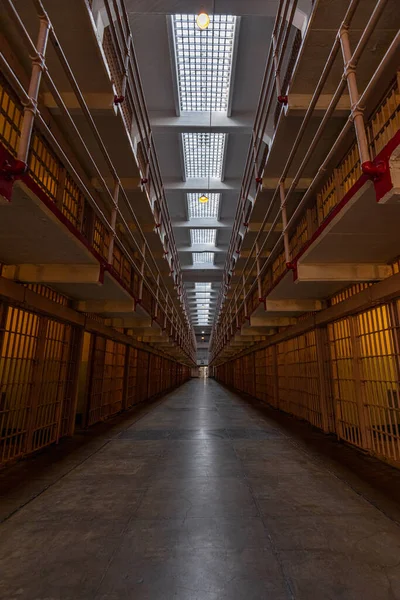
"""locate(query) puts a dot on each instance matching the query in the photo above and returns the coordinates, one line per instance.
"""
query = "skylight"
(207, 210)
(204, 62)
(204, 154)
(202, 311)
(205, 258)
(202, 286)
(203, 236)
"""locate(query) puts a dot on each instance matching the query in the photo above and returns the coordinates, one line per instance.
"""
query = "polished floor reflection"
(205, 496)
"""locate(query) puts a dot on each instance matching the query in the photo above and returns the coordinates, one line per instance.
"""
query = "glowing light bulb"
(202, 20)
(203, 199)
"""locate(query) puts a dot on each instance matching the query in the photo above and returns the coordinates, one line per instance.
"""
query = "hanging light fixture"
(202, 20)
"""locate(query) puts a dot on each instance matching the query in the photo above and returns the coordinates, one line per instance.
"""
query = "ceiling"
(201, 90)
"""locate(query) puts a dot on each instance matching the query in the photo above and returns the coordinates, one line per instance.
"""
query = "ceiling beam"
(228, 7)
(255, 8)
(164, 122)
(209, 275)
(201, 185)
(201, 248)
(192, 296)
(204, 224)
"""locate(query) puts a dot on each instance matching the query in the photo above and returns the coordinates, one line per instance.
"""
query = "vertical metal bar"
(359, 385)
(37, 380)
(277, 74)
(90, 380)
(126, 65)
(275, 375)
(62, 177)
(323, 386)
(76, 359)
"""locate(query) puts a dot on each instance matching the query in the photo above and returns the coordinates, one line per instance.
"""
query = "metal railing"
(97, 215)
(261, 259)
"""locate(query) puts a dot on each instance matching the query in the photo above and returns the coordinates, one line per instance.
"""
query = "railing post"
(165, 313)
(126, 65)
(356, 110)
(142, 267)
(62, 177)
(258, 264)
(284, 222)
(38, 65)
(236, 311)
(149, 153)
(276, 68)
(157, 293)
(310, 223)
(256, 173)
(114, 213)
(244, 297)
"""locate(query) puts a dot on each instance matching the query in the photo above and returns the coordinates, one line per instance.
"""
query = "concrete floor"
(202, 495)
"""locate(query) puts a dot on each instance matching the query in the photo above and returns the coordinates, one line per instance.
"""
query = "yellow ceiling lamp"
(202, 20)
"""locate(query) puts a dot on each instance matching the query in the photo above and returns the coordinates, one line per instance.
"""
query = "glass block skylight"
(205, 258)
(206, 210)
(203, 236)
(202, 312)
(203, 154)
(202, 286)
(204, 61)
(203, 321)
